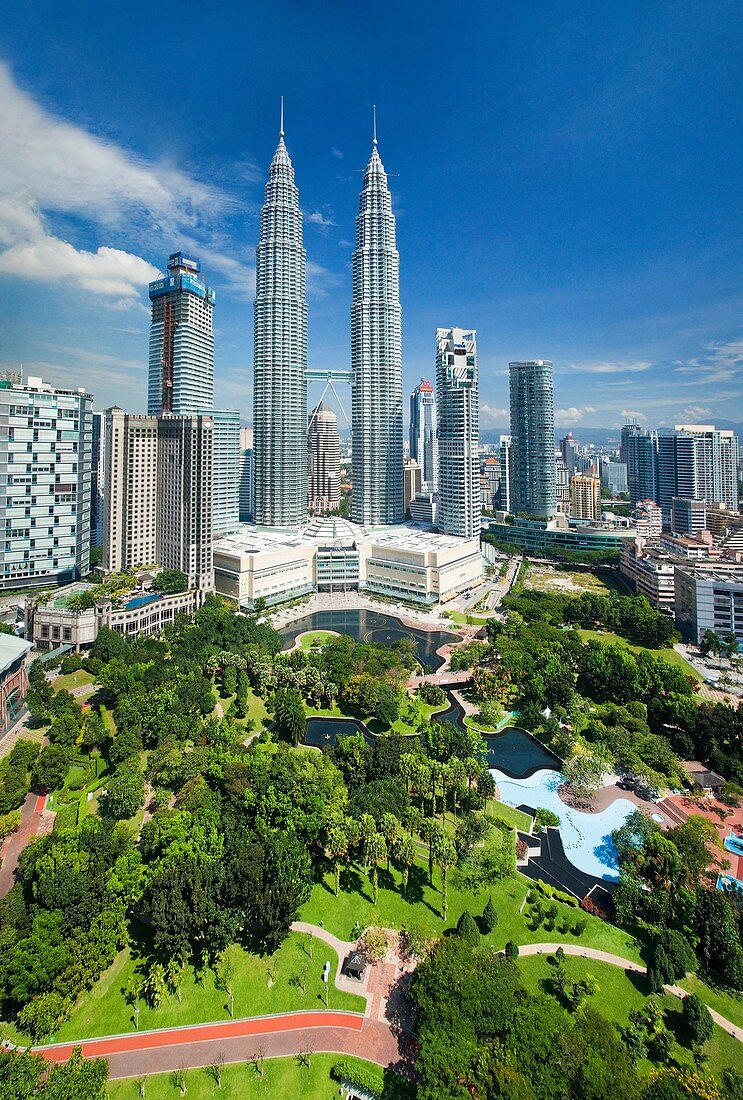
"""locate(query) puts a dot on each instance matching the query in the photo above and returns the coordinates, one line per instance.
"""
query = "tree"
(389, 827)
(155, 985)
(336, 849)
(445, 857)
(225, 980)
(489, 919)
(43, 1015)
(511, 950)
(51, 767)
(289, 714)
(696, 1020)
(404, 854)
(375, 944)
(216, 1069)
(124, 794)
(374, 852)
(467, 929)
(170, 581)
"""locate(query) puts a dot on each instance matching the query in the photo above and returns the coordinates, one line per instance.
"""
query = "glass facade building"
(533, 490)
(458, 432)
(424, 444)
(181, 364)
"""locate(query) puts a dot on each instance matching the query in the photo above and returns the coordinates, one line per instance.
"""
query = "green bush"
(367, 1077)
(66, 817)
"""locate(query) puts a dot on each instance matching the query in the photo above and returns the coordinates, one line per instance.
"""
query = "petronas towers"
(280, 355)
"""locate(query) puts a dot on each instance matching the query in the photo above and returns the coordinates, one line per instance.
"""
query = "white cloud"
(494, 415)
(632, 414)
(721, 361)
(694, 412)
(564, 418)
(51, 167)
(320, 220)
(612, 368)
(337, 153)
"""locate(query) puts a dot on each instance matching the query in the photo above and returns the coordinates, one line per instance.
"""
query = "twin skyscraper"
(280, 354)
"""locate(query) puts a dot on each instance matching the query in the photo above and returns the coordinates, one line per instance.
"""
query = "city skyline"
(606, 271)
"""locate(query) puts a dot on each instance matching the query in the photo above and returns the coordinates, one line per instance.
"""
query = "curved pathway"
(625, 964)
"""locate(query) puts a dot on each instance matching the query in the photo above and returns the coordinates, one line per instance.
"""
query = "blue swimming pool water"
(586, 837)
(140, 601)
(734, 844)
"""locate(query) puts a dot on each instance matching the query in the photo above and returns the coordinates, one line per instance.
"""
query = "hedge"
(367, 1077)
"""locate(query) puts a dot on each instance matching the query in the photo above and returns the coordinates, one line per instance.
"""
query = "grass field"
(81, 678)
(316, 638)
(669, 655)
(423, 907)
(619, 992)
(547, 578)
(283, 1077)
(260, 985)
(727, 1004)
(466, 618)
(510, 814)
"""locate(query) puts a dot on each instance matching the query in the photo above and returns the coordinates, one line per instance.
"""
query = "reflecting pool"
(370, 626)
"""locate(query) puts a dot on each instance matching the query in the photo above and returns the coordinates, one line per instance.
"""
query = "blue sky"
(566, 178)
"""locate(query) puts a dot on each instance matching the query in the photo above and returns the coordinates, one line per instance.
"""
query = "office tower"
(505, 453)
(45, 460)
(184, 497)
(246, 477)
(533, 435)
(639, 452)
(130, 497)
(158, 500)
(181, 374)
(424, 446)
(97, 479)
(424, 508)
(456, 392)
(226, 470)
(614, 476)
(412, 478)
(280, 352)
(688, 517)
(376, 356)
(585, 497)
(569, 452)
(716, 456)
(489, 482)
(562, 486)
(324, 460)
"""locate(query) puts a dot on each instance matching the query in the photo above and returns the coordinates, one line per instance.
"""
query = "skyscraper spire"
(374, 117)
(376, 355)
(280, 352)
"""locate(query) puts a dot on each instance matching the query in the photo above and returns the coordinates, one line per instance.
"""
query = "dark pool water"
(518, 754)
(369, 626)
(323, 732)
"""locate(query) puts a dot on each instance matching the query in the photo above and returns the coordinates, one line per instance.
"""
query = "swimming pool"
(734, 844)
(141, 601)
(586, 837)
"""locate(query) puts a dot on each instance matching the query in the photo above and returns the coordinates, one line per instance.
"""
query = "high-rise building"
(585, 497)
(45, 472)
(569, 452)
(716, 463)
(614, 476)
(181, 371)
(324, 460)
(130, 498)
(246, 476)
(97, 479)
(280, 352)
(563, 499)
(424, 447)
(158, 500)
(648, 519)
(412, 478)
(376, 356)
(639, 452)
(226, 470)
(458, 431)
(505, 453)
(184, 497)
(533, 436)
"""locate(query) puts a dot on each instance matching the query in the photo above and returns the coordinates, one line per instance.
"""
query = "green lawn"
(73, 680)
(286, 1077)
(727, 1004)
(261, 985)
(514, 817)
(465, 619)
(620, 992)
(316, 638)
(423, 906)
(669, 655)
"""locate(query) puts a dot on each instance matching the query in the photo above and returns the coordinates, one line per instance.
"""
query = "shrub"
(511, 950)
(9, 823)
(545, 818)
(467, 929)
(489, 919)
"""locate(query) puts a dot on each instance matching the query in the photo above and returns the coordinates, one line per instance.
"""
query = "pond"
(519, 755)
(370, 626)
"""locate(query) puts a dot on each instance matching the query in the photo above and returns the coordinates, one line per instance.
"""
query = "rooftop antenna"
(281, 128)
(374, 117)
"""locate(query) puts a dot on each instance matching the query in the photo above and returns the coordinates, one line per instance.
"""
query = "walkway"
(34, 820)
(625, 964)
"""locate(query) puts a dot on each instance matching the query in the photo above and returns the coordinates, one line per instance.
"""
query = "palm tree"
(336, 848)
(412, 819)
(375, 852)
(389, 827)
(404, 854)
(445, 856)
(430, 830)
(456, 779)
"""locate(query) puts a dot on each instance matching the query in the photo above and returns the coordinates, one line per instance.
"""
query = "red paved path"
(31, 819)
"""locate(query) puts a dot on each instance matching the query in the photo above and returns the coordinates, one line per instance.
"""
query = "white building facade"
(458, 432)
